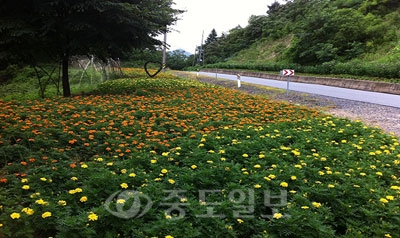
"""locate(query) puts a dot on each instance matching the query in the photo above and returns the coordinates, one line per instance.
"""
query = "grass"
(171, 157)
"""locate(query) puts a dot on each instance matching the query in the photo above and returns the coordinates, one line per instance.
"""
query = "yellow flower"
(46, 214)
(261, 156)
(15, 215)
(389, 197)
(305, 207)
(164, 171)
(41, 202)
(331, 186)
(277, 215)
(193, 166)
(62, 203)
(293, 177)
(240, 220)
(26, 187)
(153, 161)
(124, 185)
(245, 155)
(379, 173)
(316, 204)
(383, 200)
(123, 171)
(388, 235)
(84, 166)
(257, 166)
(284, 184)
(93, 217)
(171, 181)
(83, 199)
(121, 201)
(169, 236)
(43, 179)
(257, 186)
(24, 180)
(295, 152)
(132, 175)
(74, 178)
(28, 211)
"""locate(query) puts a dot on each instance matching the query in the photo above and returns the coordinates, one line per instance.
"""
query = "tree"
(213, 36)
(177, 59)
(41, 31)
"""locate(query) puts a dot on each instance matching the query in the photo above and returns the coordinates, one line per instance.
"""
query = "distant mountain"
(183, 51)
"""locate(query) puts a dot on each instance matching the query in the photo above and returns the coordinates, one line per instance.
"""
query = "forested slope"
(342, 36)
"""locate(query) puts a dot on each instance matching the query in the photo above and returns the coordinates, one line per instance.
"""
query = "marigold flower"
(46, 214)
(305, 207)
(25, 187)
(239, 220)
(389, 197)
(121, 201)
(28, 211)
(164, 171)
(93, 217)
(132, 175)
(171, 181)
(284, 184)
(383, 200)
(257, 186)
(15, 215)
(124, 185)
(62, 203)
(83, 199)
(277, 215)
(193, 166)
(41, 202)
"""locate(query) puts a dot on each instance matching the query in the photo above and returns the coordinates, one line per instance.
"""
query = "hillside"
(352, 37)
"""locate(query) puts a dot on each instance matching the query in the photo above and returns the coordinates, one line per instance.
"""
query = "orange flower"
(3, 180)
(24, 163)
(72, 166)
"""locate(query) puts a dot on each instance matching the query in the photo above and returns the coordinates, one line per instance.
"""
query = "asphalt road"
(345, 93)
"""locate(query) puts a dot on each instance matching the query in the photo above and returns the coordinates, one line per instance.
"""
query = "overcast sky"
(205, 15)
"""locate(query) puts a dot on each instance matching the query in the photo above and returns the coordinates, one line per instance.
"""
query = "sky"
(205, 15)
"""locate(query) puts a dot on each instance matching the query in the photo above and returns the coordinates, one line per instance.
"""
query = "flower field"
(172, 157)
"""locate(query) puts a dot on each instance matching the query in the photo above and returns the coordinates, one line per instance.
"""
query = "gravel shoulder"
(383, 117)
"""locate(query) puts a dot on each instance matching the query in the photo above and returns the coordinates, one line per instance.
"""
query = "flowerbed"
(177, 158)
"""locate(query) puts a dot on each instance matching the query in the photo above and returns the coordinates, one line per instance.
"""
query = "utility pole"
(164, 56)
(201, 55)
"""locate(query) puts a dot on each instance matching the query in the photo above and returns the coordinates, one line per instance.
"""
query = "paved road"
(350, 94)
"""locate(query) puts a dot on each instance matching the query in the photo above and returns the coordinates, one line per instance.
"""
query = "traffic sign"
(287, 72)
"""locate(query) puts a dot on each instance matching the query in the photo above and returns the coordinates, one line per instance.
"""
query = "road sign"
(287, 72)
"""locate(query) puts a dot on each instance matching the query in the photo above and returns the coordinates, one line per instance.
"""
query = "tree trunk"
(65, 76)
